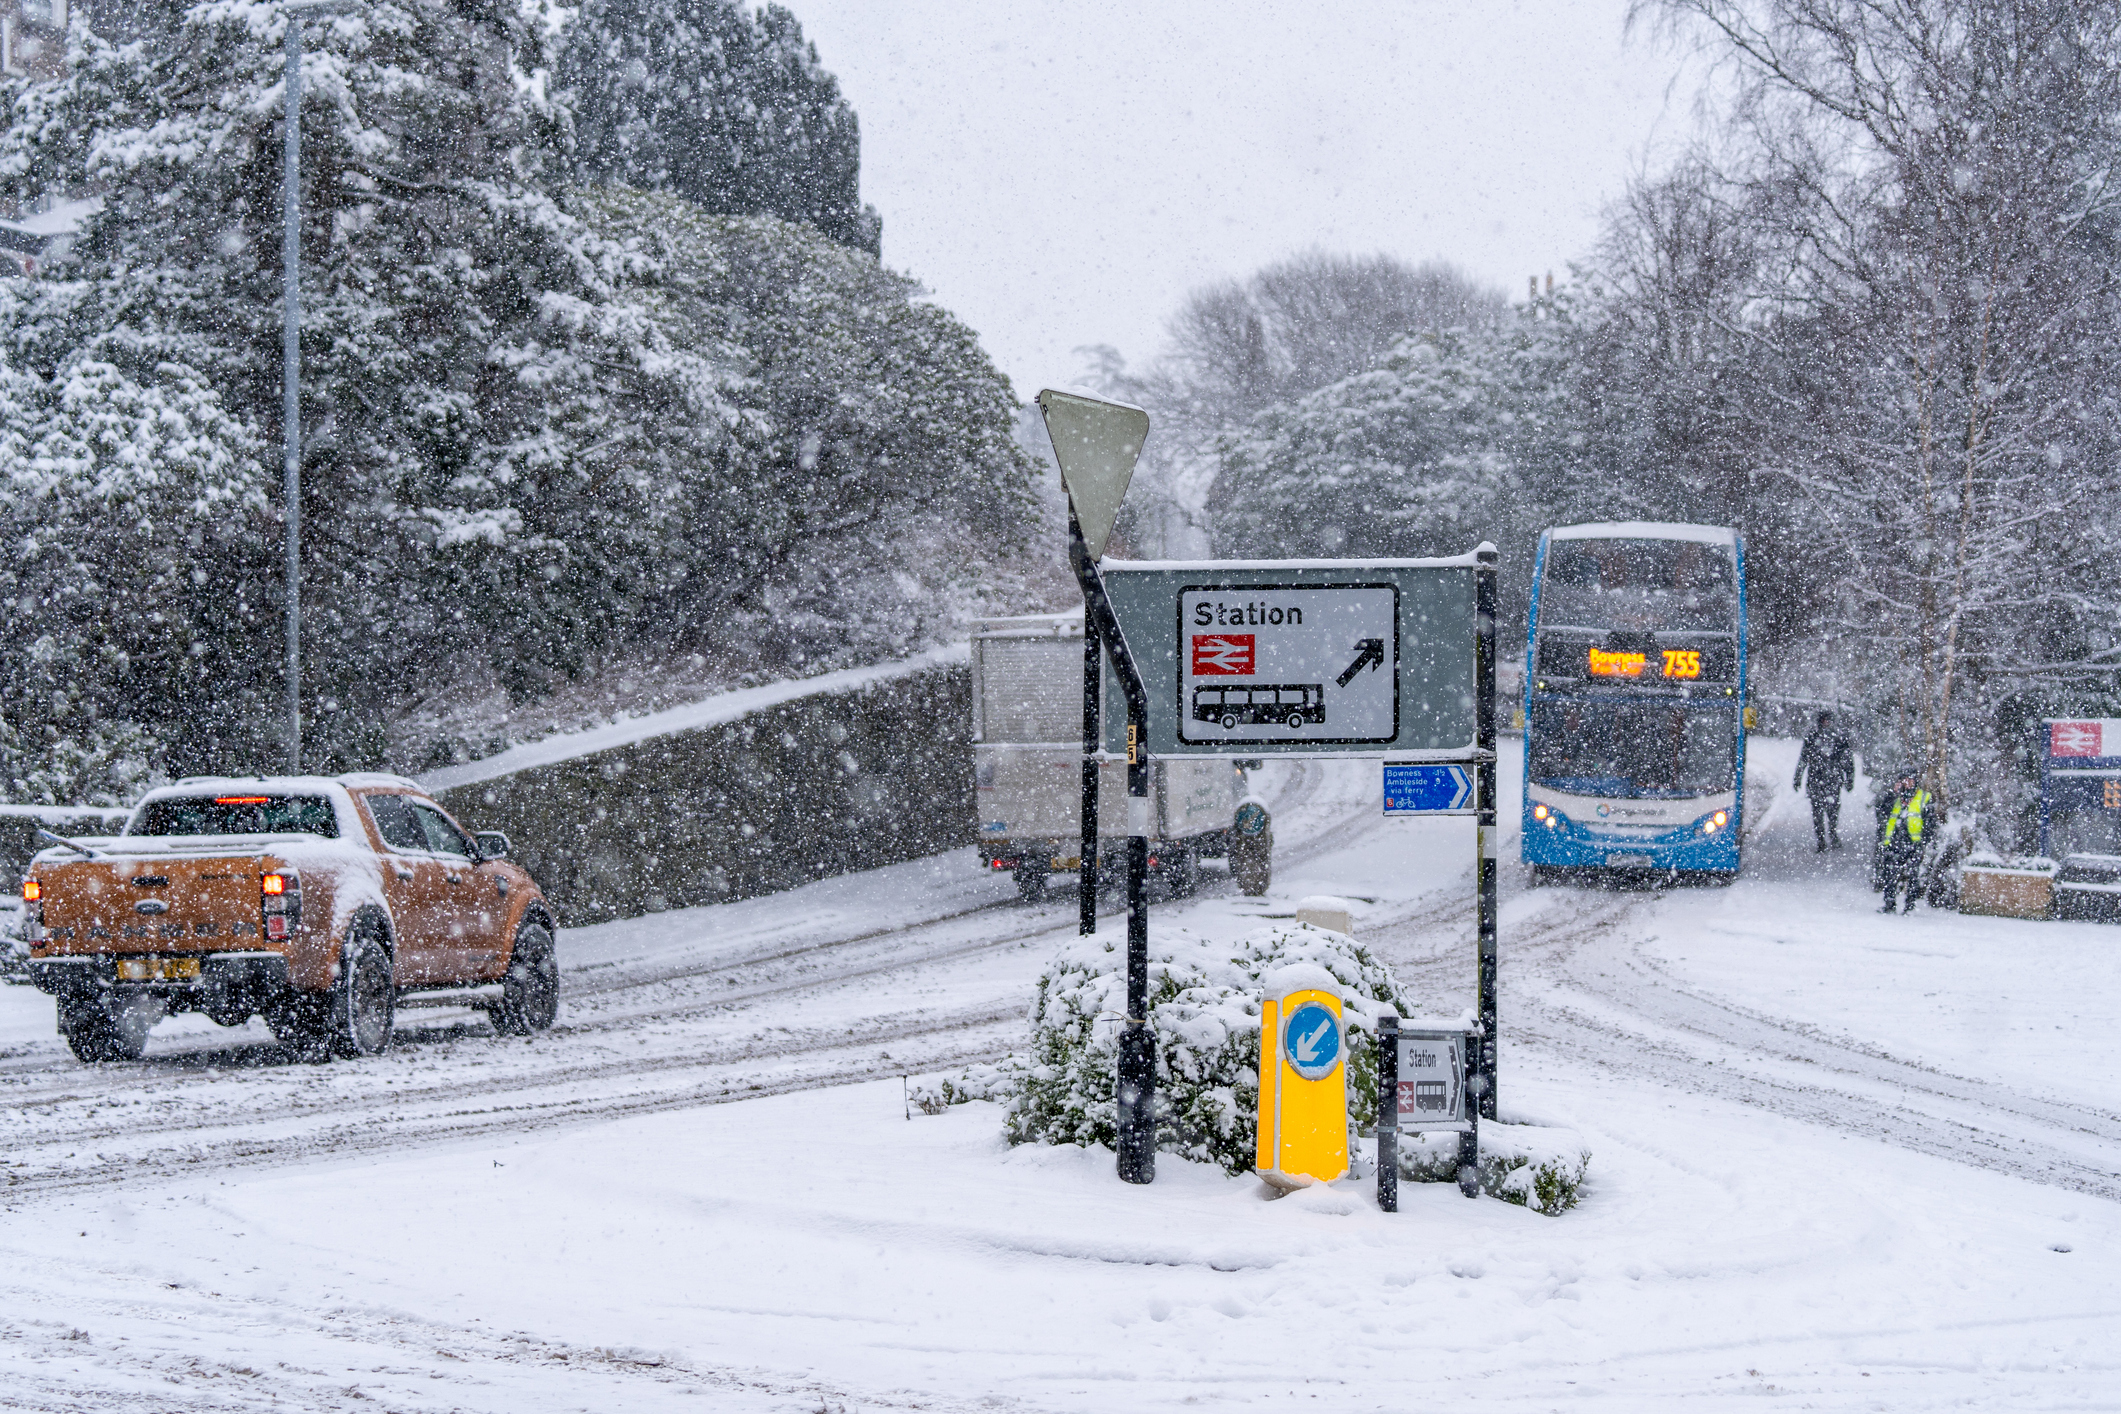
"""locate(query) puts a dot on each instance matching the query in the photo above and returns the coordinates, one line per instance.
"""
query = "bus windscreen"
(1639, 584)
(1632, 750)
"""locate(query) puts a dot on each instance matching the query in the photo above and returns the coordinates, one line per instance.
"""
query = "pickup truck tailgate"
(152, 904)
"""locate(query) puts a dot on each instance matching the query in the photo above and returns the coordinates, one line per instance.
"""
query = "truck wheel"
(364, 1004)
(109, 1028)
(1031, 879)
(1182, 874)
(1252, 863)
(530, 992)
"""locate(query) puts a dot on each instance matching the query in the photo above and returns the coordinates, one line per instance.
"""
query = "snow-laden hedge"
(1532, 1166)
(1204, 1006)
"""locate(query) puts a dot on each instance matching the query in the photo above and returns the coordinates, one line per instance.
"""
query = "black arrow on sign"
(1369, 653)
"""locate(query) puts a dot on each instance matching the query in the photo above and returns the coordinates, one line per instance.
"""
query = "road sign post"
(1096, 443)
(1093, 680)
(1389, 659)
(1424, 1080)
(1392, 660)
(1484, 848)
(1303, 1078)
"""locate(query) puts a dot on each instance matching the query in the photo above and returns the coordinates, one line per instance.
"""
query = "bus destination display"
(1682, 663)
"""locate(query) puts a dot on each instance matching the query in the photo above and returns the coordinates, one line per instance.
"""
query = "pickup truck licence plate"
(158, 969)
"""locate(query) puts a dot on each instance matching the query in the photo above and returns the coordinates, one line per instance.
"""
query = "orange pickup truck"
(316, 902)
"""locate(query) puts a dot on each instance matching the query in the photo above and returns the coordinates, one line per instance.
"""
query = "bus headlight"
(1547, 815)
(1715, 822)
(1539, 812)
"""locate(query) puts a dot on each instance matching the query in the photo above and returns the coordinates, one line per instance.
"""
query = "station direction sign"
(1301, 658)
(1431, 1080)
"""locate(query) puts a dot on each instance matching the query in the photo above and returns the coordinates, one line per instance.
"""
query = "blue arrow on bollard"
(1425, 790)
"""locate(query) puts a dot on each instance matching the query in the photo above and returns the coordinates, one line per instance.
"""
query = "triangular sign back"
(1096, 443)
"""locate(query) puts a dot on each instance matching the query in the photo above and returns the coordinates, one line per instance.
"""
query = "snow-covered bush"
(1533, 1167)
(1204, 1007)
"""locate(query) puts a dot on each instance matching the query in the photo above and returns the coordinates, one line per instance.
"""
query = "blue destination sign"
(1426, 790)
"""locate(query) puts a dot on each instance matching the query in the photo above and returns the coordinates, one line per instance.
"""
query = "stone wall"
(815, 786)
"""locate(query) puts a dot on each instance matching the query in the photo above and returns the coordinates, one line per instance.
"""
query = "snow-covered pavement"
(1847, 1161)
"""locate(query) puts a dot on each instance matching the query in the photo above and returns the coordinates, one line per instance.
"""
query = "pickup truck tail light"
(280, 896)
(32, 911)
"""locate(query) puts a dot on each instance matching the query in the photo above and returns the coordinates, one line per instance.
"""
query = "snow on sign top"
(2084, 739)
(1096, 441)
(1646, 530)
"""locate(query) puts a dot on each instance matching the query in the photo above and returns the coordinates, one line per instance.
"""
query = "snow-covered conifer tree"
(728, 109)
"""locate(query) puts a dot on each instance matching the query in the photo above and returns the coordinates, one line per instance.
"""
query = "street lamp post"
(291, 380)
(291, 360)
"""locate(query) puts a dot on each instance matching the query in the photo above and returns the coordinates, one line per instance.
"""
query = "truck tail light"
(280, 896)
(31, 891)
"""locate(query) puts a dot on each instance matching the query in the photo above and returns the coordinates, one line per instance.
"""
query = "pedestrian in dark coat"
(1825, 769)
(1904, 818)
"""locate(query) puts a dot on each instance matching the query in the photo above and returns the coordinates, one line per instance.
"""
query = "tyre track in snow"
(246, 1352)
(209, 1104)
(1577, 985)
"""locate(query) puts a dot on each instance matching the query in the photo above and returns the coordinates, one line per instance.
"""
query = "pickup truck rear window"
(240, 815)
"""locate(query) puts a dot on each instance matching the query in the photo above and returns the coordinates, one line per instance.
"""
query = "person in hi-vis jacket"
(1904, 817)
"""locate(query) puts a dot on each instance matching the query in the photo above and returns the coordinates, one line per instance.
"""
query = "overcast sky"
(1059, 174)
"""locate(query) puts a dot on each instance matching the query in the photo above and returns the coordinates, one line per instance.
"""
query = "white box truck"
(1027, 733)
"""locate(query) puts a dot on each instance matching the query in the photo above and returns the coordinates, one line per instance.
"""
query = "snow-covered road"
(1859, 1162)
(902, 970)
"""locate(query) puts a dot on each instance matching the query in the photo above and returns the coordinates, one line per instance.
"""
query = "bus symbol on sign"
(1223, 654)
(1293, 703)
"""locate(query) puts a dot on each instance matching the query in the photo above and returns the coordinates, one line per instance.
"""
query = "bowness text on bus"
(1634, 746)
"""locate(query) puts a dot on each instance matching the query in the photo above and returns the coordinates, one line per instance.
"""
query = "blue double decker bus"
(1634, 742)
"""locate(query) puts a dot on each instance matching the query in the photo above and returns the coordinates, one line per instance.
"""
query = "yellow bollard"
(1303, 1078)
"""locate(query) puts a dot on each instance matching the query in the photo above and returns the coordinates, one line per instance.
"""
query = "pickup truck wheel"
(364, 1004)
(1031, 879)
(109, 1028)
(530, 991)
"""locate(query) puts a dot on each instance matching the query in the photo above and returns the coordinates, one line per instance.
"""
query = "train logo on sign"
(2076, 739)
(1223, 654)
